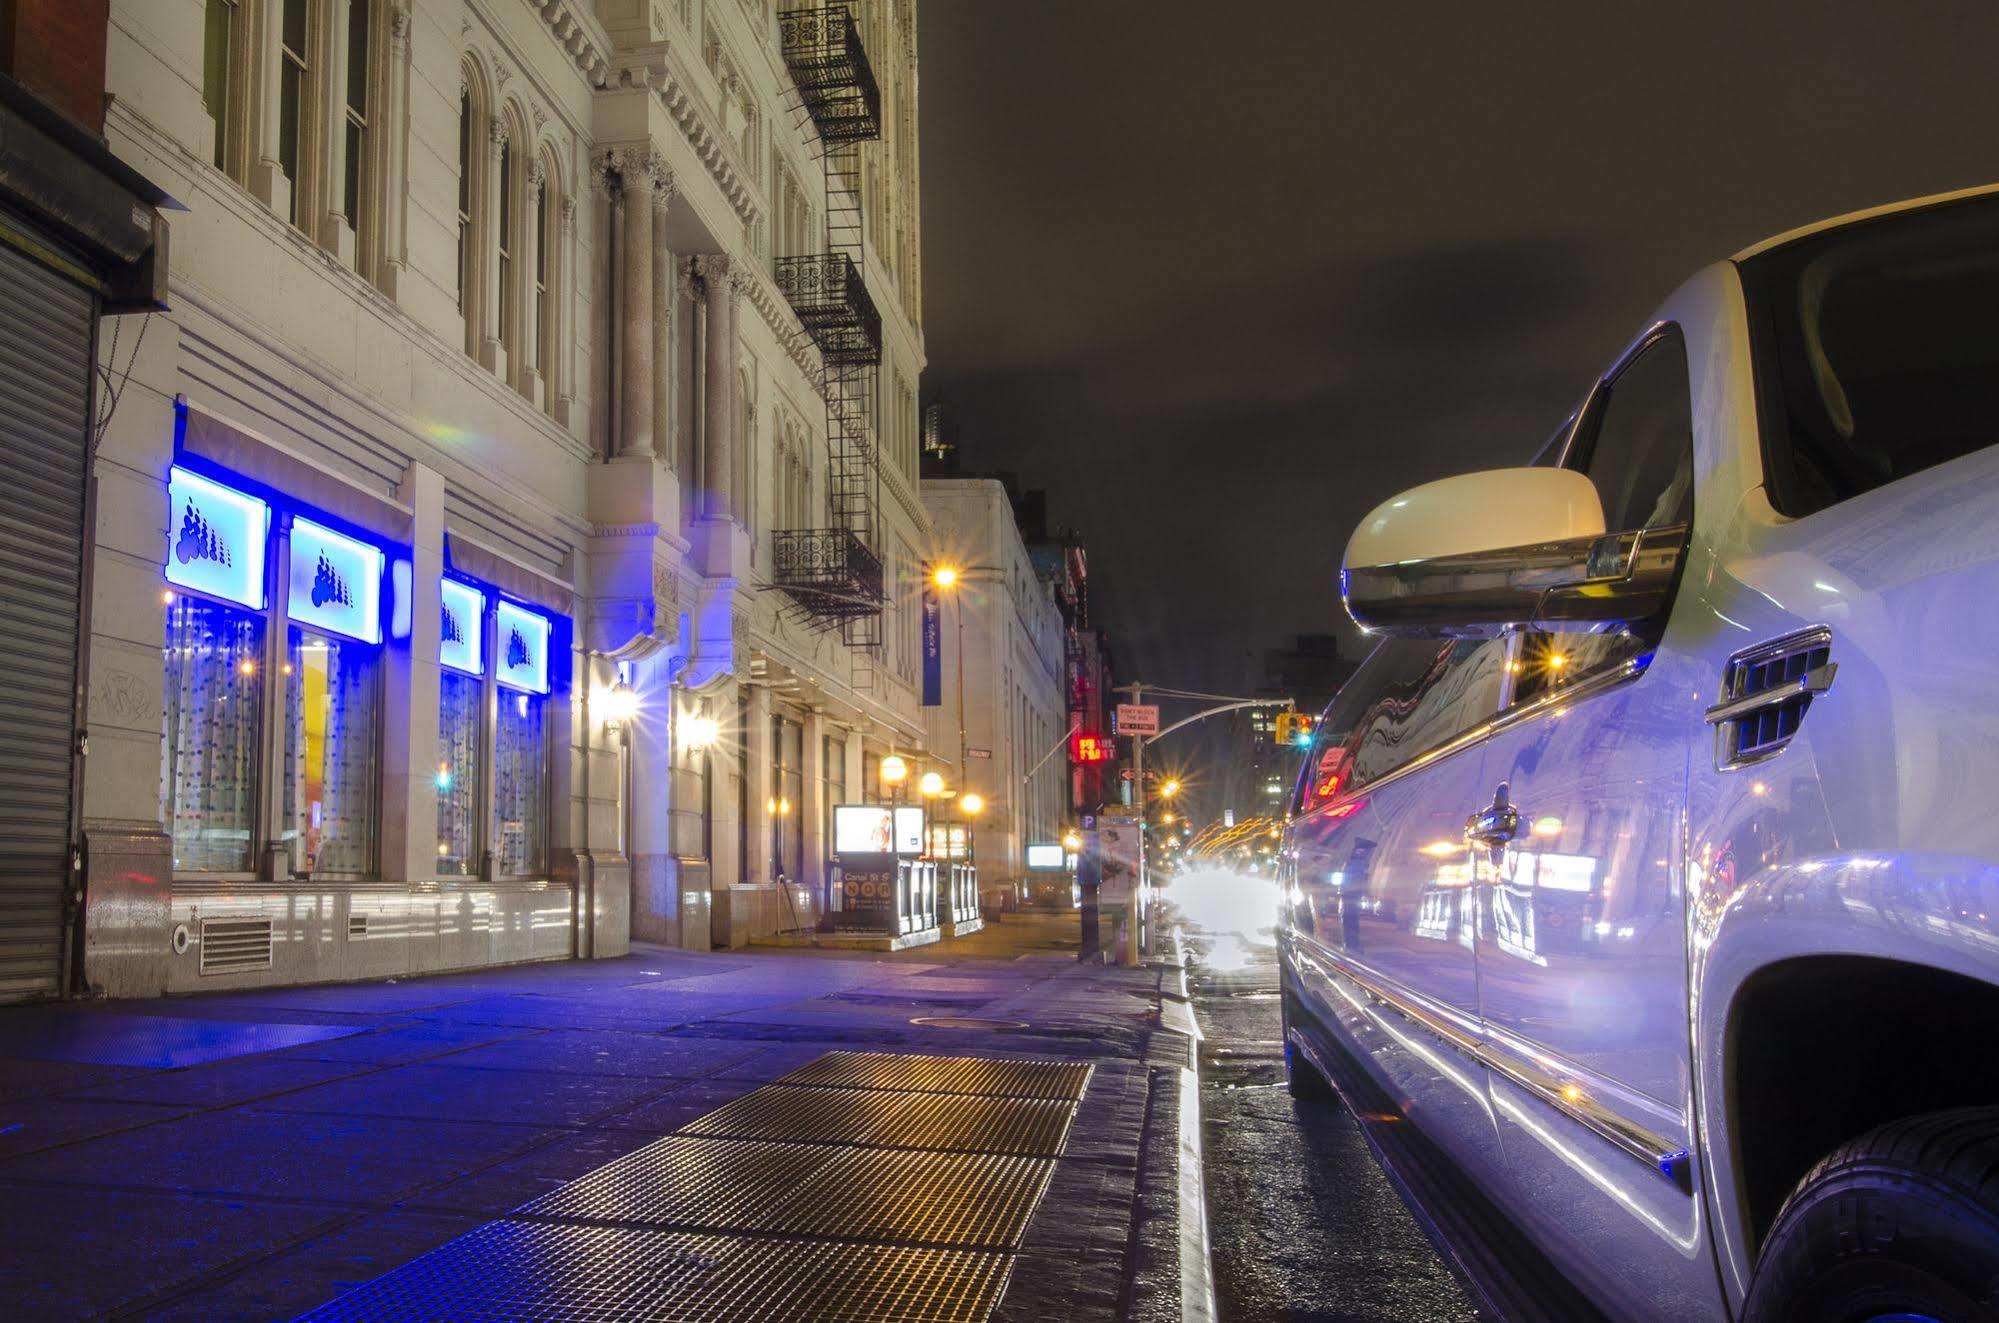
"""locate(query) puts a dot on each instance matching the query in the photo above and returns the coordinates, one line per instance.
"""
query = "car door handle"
(1496, 825)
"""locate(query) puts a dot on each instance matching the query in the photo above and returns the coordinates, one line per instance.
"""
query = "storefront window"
(332, 711)
(214, 689)
(459, 699)
(520, 783)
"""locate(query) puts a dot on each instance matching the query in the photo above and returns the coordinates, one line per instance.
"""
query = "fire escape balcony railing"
(822, 49)
(831, 299)
(828, 571)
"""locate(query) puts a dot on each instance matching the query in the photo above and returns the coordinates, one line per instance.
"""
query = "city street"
(1303, 1224)
(255, 1155)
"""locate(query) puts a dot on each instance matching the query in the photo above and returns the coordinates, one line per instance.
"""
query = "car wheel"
(1898, 1226)
(1301, 1077)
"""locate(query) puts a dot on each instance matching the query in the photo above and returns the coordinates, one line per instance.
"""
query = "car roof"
(1854, 217)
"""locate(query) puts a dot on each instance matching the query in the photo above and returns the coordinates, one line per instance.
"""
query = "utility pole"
(1138, 796)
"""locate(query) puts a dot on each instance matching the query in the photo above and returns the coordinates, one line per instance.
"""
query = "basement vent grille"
(231, 946)
(357, 925)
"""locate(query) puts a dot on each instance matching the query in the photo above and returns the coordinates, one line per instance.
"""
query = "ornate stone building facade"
(438, 615)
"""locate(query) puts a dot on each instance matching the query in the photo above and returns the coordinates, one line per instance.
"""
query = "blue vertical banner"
(933, 646)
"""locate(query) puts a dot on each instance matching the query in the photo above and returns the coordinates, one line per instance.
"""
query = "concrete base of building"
(855, 941)
(750, 912)
(964, 928)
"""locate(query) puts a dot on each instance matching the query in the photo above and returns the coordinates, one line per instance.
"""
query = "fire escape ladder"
(833, 575)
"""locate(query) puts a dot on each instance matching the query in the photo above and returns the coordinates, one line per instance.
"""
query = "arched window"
(505, 244)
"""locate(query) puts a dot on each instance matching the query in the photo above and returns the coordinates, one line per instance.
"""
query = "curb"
(1171, 1278)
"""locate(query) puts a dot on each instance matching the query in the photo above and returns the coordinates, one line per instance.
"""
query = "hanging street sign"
(933, 647)
(978, 753)
(1137, 718)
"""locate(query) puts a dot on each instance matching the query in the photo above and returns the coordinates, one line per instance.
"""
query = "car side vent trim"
(232, 946)
(1765, 693)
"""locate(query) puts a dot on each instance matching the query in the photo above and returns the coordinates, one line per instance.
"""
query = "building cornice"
(578, 33)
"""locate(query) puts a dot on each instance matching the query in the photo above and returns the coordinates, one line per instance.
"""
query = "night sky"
(1220, 288)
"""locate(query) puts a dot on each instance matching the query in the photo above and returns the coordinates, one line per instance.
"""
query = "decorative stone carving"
(496, 132)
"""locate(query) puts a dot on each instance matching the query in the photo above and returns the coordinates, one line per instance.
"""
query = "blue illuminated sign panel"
(215, 539)
(336, 582)
(458, 645)
(520, 640)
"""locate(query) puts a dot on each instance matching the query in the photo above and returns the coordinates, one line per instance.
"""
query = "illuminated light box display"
(215, 540)
(877, 829)
(521, 648)
(1046, 858)
(461, 634)
(336, 582)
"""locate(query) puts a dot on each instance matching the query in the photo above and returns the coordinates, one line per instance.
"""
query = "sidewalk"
(259, 1154)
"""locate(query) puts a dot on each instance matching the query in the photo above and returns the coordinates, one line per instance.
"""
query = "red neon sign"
(1089, 749)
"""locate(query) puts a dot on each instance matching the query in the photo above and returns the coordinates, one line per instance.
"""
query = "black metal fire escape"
(833, 575)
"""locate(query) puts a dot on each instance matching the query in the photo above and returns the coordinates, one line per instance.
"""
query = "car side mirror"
(1470, 555)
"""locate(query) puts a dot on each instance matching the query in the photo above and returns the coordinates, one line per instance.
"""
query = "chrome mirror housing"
(1471, 555)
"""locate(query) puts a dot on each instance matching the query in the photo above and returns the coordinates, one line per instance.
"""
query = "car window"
(1637, 446)
(1873, 350)
(1409, 697)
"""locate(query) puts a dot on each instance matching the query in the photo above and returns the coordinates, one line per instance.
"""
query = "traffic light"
(1293, 728)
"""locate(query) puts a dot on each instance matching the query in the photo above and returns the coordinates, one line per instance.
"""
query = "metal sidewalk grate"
(1034, 1127)
(971, 1200)
(687, 1181)
(525, 1270)
(805, 1115)
(972, 1123)
(927, 1074)
(873, 1218)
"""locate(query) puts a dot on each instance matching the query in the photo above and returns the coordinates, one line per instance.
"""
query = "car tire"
(1899, 1224)
(1301, 1077)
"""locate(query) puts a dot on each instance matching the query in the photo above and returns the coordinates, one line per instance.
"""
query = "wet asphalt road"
(1303, 1224)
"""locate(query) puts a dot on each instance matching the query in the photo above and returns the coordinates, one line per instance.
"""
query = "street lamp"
(971, 803)
(931, 784)
(1072, 841)
(697, 732)
(894, 771)
(1170, 789)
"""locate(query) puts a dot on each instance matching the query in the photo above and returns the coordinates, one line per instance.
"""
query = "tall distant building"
(1309, 671)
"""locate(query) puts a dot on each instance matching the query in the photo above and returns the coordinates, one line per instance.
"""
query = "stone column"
(644, 178)
(391, 118)
(812, 813)
(492, 348)
(757, 767)
(604, 231)
(528, 374)
(662, 330)
(719, 390)
(331, 228)
(410, 695)
(562, 363)
(655, 903)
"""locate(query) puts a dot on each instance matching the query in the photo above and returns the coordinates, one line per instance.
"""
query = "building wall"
(615, 452)
(1014, 705)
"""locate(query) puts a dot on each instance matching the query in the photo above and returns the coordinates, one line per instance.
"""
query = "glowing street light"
(1170, 789)
(931, 784)
(699, 732)
(972, 803)
(894, 771)
(1072, 841)
(945, 576)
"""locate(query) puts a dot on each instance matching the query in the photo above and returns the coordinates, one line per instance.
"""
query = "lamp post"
(946, 577)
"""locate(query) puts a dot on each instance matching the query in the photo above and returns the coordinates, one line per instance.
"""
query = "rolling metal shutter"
(45, 355)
